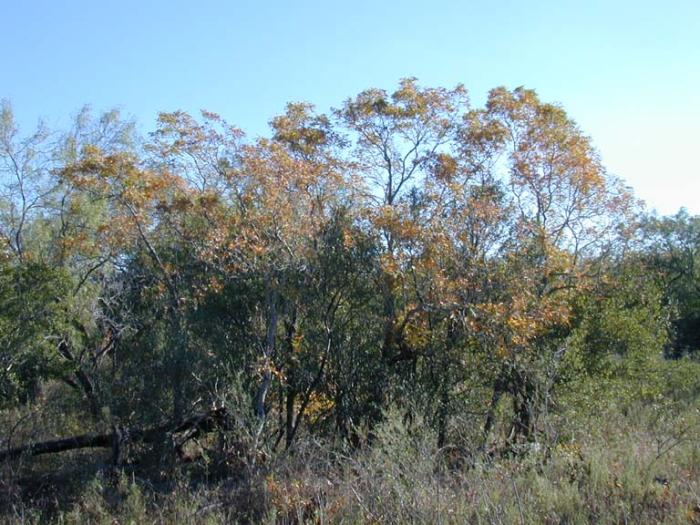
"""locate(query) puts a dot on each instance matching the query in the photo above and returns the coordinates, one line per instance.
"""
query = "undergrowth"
(637, 465)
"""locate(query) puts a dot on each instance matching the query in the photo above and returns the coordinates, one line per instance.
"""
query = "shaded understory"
(634, 464)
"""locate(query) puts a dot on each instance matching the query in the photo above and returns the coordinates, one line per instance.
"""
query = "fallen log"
(192, 427)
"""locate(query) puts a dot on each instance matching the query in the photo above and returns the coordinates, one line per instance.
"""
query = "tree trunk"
(177, 373)
(268, 350)
(289, 422)
(191, 427)
(82, 379)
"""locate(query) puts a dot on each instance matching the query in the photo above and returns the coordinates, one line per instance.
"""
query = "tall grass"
(642, 467)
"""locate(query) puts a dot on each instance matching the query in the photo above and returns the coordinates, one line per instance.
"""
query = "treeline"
(468, 267)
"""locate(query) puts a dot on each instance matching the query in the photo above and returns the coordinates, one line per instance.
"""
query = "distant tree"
(673, 245)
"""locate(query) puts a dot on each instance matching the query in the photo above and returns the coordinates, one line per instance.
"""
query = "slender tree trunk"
(177, 373)
(524, 408)
(268, 351)
(307, 394)
(491, 413)
(381, 380)
(82, 378)
(289, 422)
(499, 388)
(443, 418)
(445, 385)
(291, 389)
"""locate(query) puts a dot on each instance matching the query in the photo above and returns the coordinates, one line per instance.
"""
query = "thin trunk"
(524, 407)
(499, 388)
(268, 351)
(443, 418)
(90, 395)
(86, 385)
(307, 395)
(291, 387)
(388, 349)
(178, 364)
(289, 423)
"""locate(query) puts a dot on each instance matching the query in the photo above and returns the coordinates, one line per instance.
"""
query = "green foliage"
(32, 317)
(624, 323)
(673, 248)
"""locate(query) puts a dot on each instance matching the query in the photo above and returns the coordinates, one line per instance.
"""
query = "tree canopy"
(407, 249)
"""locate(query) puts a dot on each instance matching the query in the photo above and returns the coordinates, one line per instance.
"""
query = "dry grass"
(639, 468)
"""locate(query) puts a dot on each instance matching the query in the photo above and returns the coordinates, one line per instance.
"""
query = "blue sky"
(627, 71)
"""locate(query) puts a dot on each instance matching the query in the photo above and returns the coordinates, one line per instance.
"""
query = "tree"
(406, 249)
(673, 248)
(397, 138)
(568, 213)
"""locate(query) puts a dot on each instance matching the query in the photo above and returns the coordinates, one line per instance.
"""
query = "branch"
(193, 426)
